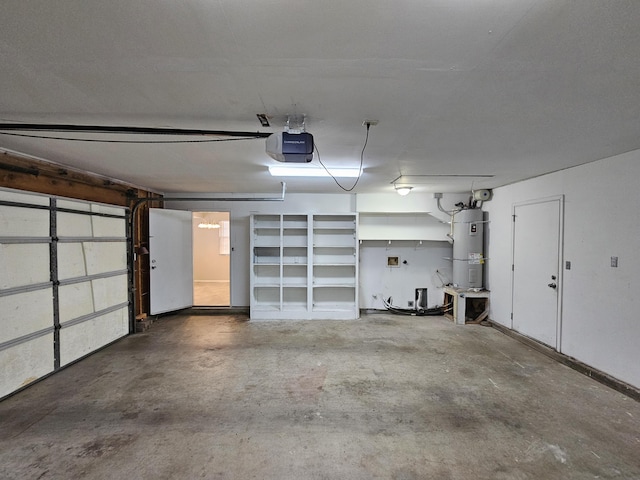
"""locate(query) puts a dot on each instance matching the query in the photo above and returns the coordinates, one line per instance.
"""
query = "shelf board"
(334, 264)
(333, 308)
(294, 308)
(352, 247)
(350, 228)
(265, 308)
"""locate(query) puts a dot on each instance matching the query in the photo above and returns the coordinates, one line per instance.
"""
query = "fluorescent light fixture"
(404, 190)
(311, 171)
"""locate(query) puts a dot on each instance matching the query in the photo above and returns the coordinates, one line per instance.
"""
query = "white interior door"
(171, 260)
(536, 269)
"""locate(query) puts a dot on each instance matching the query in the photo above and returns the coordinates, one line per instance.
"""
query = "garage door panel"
(25, 363)
(103, 257)
(83, 338)
(75, 301)
(46, 324)
(79, 299)
(24, 264)
(73, 205)
(22, 197)
(81, 259)
(107, 209)
(23, 222)
(71, 261)
(25, 313)
(73, 225)
(108, 227)
(110, 291)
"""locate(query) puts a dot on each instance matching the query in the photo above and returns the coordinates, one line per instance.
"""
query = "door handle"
(552, 285)
(153, 267)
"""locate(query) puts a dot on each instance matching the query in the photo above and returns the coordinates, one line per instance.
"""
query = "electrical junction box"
(290, 147)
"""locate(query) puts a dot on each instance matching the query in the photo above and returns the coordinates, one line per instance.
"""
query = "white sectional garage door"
(63, 283)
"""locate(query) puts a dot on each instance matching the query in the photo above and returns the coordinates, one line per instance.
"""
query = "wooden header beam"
(52, 179)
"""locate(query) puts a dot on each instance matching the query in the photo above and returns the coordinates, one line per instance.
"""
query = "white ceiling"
(506, 88)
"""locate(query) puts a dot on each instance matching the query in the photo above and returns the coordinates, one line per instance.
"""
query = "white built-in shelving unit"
(304, 266)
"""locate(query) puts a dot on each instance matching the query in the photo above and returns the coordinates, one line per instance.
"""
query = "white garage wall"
(600, 324)
(318, 203)
(423, 261)
(239, 218)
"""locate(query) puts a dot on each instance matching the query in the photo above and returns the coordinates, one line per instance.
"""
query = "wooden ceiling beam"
(53, 179)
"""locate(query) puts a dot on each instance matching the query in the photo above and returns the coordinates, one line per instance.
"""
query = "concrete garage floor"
(383, 397)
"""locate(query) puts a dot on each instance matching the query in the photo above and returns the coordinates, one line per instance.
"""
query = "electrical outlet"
(614, 261)
(410, 304)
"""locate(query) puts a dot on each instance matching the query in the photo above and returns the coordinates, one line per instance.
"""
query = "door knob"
(552, 285)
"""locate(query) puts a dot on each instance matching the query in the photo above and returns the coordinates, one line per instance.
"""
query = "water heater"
(468, 248)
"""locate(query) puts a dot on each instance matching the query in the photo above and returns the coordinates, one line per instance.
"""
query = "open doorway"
(211, 259)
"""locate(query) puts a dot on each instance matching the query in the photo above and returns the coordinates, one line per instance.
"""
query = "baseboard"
(599, 376)
(216, 311)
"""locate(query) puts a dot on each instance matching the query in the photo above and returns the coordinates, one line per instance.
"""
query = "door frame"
(229, 270)
(559, 290)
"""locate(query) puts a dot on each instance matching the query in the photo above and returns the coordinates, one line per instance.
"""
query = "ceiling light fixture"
(311, 171)
(403, 190)
(208, 225)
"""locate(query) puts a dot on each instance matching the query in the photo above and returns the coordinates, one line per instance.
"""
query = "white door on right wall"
(537, 251)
